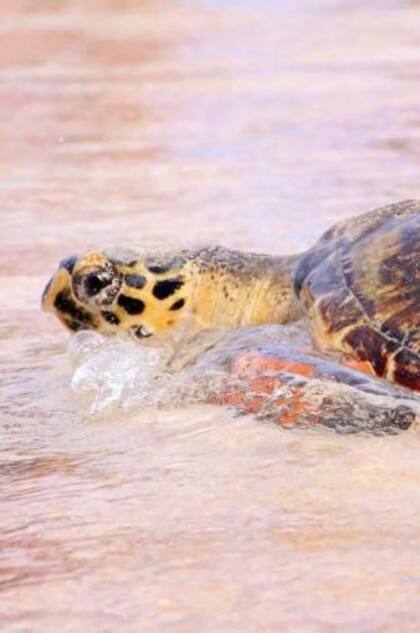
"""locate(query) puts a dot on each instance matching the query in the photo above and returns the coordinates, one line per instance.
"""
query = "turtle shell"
(360, 285)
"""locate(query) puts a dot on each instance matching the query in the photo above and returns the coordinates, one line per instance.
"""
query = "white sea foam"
(113, 373)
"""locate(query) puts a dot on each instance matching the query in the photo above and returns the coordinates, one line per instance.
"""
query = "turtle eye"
(98, 286)
(94, 284)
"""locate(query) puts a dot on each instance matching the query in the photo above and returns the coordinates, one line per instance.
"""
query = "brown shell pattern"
(361, 287)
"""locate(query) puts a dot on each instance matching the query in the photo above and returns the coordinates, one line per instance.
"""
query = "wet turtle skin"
(357, 290)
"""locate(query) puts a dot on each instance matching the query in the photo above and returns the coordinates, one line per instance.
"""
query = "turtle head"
(118, 291)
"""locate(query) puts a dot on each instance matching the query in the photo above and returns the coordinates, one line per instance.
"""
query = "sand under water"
(251, 124)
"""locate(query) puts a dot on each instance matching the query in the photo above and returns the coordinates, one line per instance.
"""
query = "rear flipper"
(297, 388)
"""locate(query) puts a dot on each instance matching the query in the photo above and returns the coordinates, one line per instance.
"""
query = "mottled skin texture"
(358, 289)
(119, 291)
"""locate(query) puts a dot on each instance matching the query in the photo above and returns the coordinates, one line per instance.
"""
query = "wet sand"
(255, 125)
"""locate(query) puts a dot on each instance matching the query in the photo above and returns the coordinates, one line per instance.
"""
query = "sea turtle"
(357, 291)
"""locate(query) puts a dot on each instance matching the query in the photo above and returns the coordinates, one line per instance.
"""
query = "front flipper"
(293, 387)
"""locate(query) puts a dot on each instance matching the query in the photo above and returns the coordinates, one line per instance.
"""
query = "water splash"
(112, 374)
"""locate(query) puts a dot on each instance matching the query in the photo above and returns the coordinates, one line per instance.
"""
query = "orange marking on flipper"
(240, 400)
(253, 397)
(230, 396)
(254, 404)
(252, 363)
(293, 408)
(264, 384)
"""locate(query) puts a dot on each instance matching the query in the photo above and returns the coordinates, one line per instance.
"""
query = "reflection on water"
(251, 125)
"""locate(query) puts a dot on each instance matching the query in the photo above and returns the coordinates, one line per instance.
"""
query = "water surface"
(252, 124)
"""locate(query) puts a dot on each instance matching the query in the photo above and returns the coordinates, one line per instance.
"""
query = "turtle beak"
(58, 282)
(46, 296)
(58, 298)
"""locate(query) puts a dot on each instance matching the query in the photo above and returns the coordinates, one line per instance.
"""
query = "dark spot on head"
(121, 256)
(118, 262)
(140, 331)
(68, 263)
(75, 326)
(64, 303)
(135, 281)
(160, 267)
(131, 305)
(110, 317)
(166, 288)
(178, 304)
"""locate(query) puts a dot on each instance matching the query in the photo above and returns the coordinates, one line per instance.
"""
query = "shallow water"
(253, 124)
